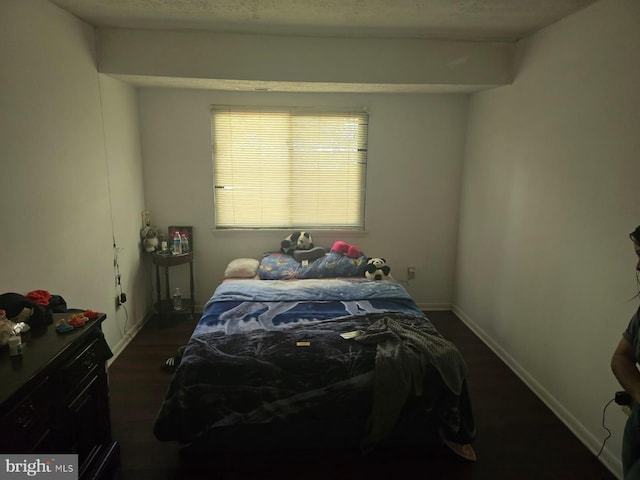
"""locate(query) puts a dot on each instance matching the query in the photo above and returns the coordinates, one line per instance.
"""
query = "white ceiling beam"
(300, 60)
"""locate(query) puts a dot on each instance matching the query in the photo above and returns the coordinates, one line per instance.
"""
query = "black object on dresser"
(55, 398)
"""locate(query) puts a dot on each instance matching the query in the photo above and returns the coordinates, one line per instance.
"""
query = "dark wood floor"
(518, 437)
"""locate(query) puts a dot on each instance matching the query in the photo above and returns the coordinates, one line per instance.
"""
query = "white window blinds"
(289, 168)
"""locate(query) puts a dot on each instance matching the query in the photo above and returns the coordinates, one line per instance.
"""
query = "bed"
(334, 360)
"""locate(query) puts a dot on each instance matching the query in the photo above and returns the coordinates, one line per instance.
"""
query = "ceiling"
(468, 20)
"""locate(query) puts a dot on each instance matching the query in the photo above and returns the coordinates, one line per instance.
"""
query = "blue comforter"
(240, 306)
(271, 352)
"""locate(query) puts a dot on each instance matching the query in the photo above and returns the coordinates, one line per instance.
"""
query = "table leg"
(167, 291)
(193, 300)
(158, 297)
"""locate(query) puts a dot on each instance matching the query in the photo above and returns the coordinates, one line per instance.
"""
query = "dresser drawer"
(27, 425)
(83, 364)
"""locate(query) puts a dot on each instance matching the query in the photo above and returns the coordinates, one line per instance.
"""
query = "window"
(289, 168)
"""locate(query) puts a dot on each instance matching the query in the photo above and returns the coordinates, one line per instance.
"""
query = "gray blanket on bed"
(406, 351)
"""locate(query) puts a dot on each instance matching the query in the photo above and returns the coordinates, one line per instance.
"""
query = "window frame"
(353, 156)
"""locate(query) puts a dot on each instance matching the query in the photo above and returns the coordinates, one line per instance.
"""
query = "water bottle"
(184, 243)
(15, 341)
(177, 300)
(177, 241)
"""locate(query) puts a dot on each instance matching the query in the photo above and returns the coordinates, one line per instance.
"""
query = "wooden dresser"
(55, 398)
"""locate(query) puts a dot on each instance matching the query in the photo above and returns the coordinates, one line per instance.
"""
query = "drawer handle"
(26, 413)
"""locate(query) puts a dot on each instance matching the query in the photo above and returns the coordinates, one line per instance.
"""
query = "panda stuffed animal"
(377, 269)
(296, 241)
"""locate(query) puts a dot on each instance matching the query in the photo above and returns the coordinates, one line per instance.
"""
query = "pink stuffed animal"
(346, 249)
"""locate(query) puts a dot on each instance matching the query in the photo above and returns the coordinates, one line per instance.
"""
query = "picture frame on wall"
(187, 231)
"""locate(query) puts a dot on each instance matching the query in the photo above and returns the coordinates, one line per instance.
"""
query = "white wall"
(413, 182)
(545, 268)
(126, 190)
(58, 170)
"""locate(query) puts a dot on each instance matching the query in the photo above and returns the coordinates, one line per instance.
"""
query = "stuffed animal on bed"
(346, 249)
(377, 269)
(296, 241)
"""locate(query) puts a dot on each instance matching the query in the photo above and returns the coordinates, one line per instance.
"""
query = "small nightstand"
(164, 306)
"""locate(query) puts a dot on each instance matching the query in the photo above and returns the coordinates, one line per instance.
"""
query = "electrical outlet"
(411, 273)
(121, 299)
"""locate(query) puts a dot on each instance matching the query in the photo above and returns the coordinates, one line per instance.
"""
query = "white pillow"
(242, 268)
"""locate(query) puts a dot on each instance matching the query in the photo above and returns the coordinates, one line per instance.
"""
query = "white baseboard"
(608, 459)
(126, 339)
